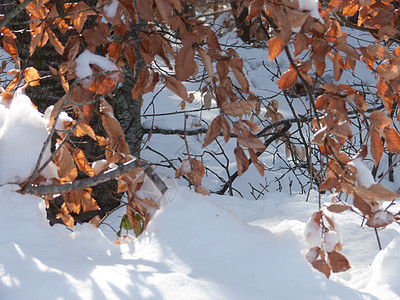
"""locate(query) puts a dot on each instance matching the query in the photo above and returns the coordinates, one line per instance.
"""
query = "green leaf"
(139, 228)
(125, 223)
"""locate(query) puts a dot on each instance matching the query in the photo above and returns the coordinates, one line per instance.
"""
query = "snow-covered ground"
(195, 247)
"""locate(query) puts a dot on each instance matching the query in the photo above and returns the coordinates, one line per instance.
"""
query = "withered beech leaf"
(82, 163)
(64, 214)
(238, 108)
(177, 87)
(242, 161)
(65, 165)
(338, 208)
(376, 145)
(274, 47)
(207, 62)
(338, 262)
(392, 140)
(240, 77)
(362, 205)
(145, 9)
(31, 76)
(288, 79)
(226, 129)
(213, 131)
(322, 266)
(185, 66)
(254, 159)
(380, 119)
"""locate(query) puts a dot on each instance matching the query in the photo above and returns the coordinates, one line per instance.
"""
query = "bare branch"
(101, 178)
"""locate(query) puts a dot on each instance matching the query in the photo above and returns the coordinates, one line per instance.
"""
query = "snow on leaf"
(380, 218)
(312, 229)
(312, 254)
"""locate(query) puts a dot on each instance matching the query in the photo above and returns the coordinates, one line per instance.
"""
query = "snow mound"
(22, 134)
(192, 249)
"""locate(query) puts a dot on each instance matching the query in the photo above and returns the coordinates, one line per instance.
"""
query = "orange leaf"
(338, 66)
(338, 208)
(55, 41)
(383, 91)
(274, 47)
(287, 80)
(240, 77)
(226, 129)
(207, 63)
(82, 163)
(392, 140)
(31, 76)
(376, 145)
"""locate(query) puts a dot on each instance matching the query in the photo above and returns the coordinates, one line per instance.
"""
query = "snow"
(22, 134)
(86, 58)
(364, 175)
(110, 10)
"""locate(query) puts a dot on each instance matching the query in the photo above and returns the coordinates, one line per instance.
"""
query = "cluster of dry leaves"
(322, 39)
(111, 31)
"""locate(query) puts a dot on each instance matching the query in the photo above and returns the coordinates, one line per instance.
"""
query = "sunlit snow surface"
(192, 249)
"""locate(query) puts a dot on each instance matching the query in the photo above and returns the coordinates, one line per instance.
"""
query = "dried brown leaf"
(338, 262)
(238, 108)
(32, 76)
(376, 145)
(274, 47)
(177, 87)
(380, 119)
(82, 163)
(185, 66)
(322, 266)
(242, 161)
(338, 208)
(392, 140)
(288, 79)
(213, 131)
